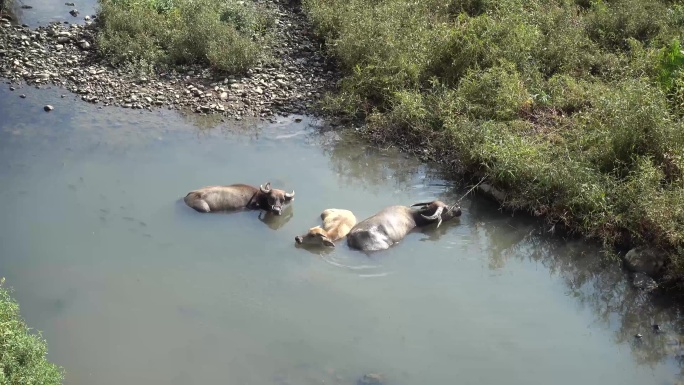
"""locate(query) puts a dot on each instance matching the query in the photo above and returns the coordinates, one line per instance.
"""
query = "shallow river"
(130, 286)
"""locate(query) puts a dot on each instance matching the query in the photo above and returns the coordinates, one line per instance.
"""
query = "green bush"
(225, 34)
(574, 107)
(22, 354)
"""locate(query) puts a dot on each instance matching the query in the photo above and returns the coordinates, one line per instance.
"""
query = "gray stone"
(643, 282)
(492, 191)
(48, 108)
(74, 12)
(645, 260)
(370, 379)
(223, 96)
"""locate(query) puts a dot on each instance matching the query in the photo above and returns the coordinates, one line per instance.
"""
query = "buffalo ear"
(328, 242)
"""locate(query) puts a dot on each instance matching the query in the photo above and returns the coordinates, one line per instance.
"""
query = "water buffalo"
(391, 224)
(336, 225)
(238, 196)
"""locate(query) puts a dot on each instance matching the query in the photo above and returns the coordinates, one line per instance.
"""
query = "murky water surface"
(129, 286)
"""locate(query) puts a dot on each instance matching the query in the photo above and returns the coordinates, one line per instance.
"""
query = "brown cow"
(391, 224)
(238, 196)
(336, 225)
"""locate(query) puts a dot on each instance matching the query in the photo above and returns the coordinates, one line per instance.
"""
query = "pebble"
(22, 96)
(48, 108)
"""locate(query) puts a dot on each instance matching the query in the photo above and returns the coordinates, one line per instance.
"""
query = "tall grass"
(227, 35)
(574, 107)
(22, 354)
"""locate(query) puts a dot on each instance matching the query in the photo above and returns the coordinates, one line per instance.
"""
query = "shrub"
(225, 34)
(22, 354)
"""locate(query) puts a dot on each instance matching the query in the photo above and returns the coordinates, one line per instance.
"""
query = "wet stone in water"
(371, 379)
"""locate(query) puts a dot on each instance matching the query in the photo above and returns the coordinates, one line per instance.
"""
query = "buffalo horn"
(434, 216)
(437, 215)
(420, 204)
(290, 195)
(266, 189)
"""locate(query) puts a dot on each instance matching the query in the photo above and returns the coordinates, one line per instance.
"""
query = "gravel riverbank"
(64, 54)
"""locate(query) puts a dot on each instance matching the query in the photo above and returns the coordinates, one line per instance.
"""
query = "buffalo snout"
(299, 239)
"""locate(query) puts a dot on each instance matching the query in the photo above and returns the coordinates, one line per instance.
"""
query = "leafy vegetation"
(227, 35)
(574, 107)
(22, 354)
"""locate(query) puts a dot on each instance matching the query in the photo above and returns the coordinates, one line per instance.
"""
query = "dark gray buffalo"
(238, 196)
(391, 224)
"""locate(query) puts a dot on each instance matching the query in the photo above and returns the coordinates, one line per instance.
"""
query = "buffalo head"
(438, 211)
(315, 236)
(274, 199)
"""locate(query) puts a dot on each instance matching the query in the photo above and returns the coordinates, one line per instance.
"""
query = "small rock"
(643, 282)
(259, 91)
(84, 44)
(12, 89)
(638, 336)
(69, 4)
(370, 379)
(22, 96)
(223, 96)
(74, 12)
(298, 120)
(48, 108)
(86, 18)
(63, 39)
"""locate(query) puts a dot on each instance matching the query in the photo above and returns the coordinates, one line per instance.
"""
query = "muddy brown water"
(130, 286)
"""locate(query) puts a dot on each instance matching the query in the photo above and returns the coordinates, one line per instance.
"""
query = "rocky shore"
(64, 54)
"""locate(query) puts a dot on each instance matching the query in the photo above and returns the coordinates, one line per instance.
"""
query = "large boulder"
(645, 260)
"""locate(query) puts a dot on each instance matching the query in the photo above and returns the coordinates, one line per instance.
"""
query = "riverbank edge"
(24, 352)
(65, 54)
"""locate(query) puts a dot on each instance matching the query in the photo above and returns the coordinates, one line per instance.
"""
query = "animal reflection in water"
(391, 224)
(276, 221)
(336, 225)
(238, 196)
